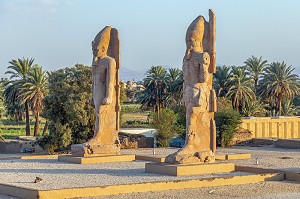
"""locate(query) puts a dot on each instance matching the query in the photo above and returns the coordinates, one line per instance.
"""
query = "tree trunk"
(45, 128)
(255, 86)
(36, 125)
(280, 107)
(27, 119)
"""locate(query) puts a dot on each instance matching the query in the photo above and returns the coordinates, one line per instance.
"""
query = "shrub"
(227, 121)
(71, 117)
(167, 126)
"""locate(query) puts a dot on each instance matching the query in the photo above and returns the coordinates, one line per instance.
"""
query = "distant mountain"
(129, 75)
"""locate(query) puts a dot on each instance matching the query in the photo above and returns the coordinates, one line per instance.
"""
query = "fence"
(275, 127)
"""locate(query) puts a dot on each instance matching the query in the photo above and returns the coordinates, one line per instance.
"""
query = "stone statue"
(199, 64)
(105, 96)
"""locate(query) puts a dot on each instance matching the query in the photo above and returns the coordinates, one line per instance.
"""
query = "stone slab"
(18, 191)
(137, 187)
(188, 169)
(149, 158)
(240, 156)
(262, 141)
(96, 159)
(291, 176)
(25, 157)
(288, 143)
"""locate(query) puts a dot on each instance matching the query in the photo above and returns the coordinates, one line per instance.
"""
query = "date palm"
(155, 88)
(14, 107)
(279, 82)
(240, 92)
(221, 80)
(19, 70)
(175, 87)
(255, 66)
(34, 90)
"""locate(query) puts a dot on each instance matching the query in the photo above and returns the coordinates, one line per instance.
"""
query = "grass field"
(11, 129)
(133, 116)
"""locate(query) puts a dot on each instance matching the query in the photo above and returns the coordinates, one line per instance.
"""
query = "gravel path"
(64, 175)
(57, 175)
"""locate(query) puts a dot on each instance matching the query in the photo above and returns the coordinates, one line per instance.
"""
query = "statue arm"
(110, 75)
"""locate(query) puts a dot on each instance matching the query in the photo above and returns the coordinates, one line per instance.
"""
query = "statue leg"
(96, 136)
(195, 150)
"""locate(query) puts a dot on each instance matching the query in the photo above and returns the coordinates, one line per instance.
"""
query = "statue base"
(88, 150)
(188, 169)
(96, 159)
(186, 156)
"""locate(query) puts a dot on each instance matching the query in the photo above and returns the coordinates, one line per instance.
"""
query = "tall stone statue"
(199, 64)
(105, 96)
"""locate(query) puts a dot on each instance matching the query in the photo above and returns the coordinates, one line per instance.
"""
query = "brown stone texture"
(105, 95)
(199, 64)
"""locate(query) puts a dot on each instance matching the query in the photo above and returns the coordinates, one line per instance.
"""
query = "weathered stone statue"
(105, 96)
(199, 64)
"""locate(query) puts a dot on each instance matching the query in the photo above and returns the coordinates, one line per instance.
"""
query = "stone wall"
(273, 127)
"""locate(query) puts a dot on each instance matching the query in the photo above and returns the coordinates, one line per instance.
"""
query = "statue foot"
(190, 155)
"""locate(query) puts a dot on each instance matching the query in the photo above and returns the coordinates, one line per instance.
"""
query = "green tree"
(155, 89)
(19, 69)
(279, 82)
(14, 108)
(167, 126)
(240, 91)
(256, 67)
(289, 109)
(122, 95)
(255, 108)
(174, 87)
(67, 106)
(227, 122)
(34, 90)
(221, 80)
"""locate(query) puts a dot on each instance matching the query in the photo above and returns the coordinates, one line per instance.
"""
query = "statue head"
(194, 35)
(101, 43)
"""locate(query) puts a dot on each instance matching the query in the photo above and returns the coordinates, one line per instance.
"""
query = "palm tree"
(155, 88)
(34, 90)
(19, 70)
(279, 82)
(289, 109)
(255, 66)
(255, 108)
(240, 91)
(220, 81)
(14, 107)
(175, 87)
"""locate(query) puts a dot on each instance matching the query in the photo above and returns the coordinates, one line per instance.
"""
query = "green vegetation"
(167, 126)
(259, 88)
(227, 121)
(62, 99)
(67, 109)
(19, 70)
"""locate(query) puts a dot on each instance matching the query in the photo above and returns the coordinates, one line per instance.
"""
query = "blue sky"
(58, 33)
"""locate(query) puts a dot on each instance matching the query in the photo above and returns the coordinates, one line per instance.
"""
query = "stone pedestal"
(87, 150)
(93, 159)
(188, 169)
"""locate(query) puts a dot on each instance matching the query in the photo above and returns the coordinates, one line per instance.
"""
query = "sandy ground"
(62, 175)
